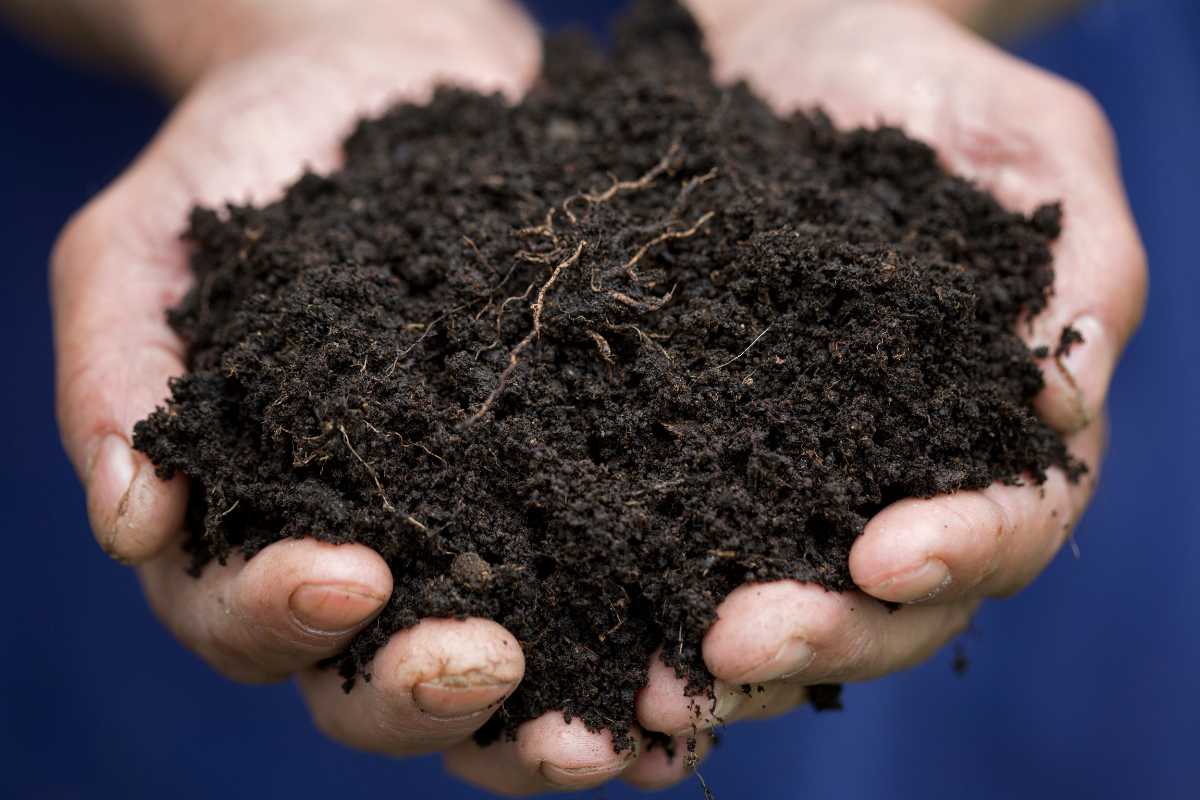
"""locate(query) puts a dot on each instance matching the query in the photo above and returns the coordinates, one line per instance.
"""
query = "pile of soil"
(585, 365)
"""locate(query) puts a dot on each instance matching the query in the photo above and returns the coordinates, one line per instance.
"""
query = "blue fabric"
(1084, 686)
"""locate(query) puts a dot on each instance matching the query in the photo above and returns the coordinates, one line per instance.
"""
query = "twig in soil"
(370, 470)
(747, 350)
(515, 354)
(664, 237)
(663, 165)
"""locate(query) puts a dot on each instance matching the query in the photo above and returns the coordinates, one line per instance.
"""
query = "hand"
(285, 85)
(1030, 138)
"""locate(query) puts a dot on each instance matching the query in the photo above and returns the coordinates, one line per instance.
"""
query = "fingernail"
(728, 702)
(110, 482)
(708, 713)
(1087, 368)
(455, 697)
(333, 609)
(583, 777)
(792, 658)
(916, 585)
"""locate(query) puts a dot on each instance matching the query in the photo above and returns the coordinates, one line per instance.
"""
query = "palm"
(1030, 138)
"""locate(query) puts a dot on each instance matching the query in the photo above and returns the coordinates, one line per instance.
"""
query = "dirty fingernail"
(332, 609)
(583, 777)
(451, 697)
(708, 713)
(110, 481)
(728, 702)
(792, 658)
(917, 585)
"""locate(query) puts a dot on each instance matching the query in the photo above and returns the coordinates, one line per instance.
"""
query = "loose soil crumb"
(585, 365)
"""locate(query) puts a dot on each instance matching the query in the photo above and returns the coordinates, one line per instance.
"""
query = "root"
(428, 329)
(602, 346)
(403, 443)
(471, 243)
(514, 355)
(690, 186)
(513, 299)
(546, 229)
(387, 504)
(647, 339)
(747, 350)
(632, 302)
(618, 186)
(644, 306)
(666, 236)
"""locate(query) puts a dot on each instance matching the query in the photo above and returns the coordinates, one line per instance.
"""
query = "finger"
(978, 543)
(431, 686)
(291, 605)
(1099, 292)
(801, 632)
(549, 754)
(1068, 155)
(664, 704)
(114, 355)
(120, 264)
(660, 767)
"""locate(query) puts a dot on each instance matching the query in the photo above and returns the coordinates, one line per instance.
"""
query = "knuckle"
(960, 616)
(829, 621)
(1084, 111)
(80, 236)
(1131, 257)
(862, 651)
(1000, 528)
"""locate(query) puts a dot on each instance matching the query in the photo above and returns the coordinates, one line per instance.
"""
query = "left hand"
(1029, 138)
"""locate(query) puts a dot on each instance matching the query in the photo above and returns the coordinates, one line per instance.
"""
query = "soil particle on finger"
(1067, 340)
(586, 364)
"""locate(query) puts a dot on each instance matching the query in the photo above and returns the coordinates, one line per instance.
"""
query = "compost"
(586, 364)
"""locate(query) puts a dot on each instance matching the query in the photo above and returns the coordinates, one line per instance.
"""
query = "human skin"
(268, 86)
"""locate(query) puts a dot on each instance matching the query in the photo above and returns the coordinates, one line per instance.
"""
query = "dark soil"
(585, 365)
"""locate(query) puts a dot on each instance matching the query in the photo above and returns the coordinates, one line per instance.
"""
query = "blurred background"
(1086, 685)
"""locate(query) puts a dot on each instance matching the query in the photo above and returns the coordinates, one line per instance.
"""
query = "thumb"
(1100, 277)
(115, 355)
(120, 264)
(241, 134)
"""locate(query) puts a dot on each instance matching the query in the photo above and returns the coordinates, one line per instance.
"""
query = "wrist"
(722, 19)
(176, 44)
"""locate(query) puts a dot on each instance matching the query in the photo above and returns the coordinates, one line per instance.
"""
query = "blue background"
(1086, 685)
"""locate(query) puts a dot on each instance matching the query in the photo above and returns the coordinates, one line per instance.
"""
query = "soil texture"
(586, 364)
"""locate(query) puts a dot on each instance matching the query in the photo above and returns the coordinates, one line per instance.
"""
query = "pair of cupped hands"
(275, 85)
